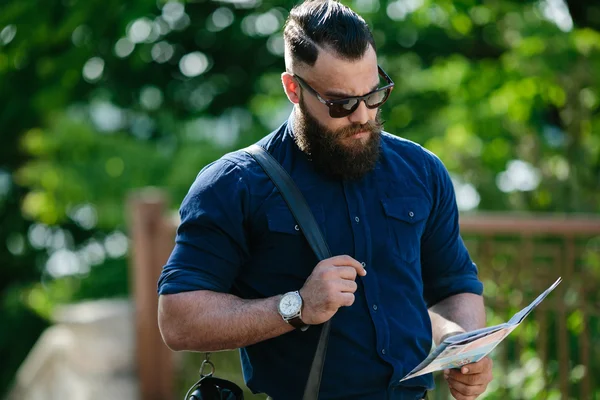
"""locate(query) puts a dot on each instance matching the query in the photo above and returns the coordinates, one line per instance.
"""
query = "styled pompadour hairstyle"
(329, 24)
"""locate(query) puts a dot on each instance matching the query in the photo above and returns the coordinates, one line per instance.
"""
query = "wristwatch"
(290, 309)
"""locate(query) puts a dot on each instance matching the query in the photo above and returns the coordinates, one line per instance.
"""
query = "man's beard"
(329, 153)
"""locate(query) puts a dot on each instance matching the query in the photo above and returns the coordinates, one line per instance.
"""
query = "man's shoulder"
(408, 150)
(239, 162)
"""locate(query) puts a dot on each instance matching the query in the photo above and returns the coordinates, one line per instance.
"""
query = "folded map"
(470, 347)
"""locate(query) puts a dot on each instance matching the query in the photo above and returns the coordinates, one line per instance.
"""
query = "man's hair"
(317, 24)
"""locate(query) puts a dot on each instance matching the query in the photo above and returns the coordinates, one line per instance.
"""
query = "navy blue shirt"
(401, 221)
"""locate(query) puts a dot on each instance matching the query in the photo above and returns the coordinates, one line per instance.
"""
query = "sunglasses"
(341, 108)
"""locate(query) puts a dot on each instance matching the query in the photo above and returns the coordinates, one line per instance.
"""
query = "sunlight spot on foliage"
(162, 52)
(577, 373)
(92, 253)
(262, 24)
(220, 19)
(193, 64)
(437, 15)
(588, 98)
(116, 244)
(124, 47)
(223, 130)
(467, 197)
(407, 37)
(40, 206)
(519, 176)
(81, 36)
(462, 24)
(61, 239)
(557, 11)
(15, 243)
(557, 166)
(38, 301)
(84, 215)
(174, 14)
(106, 116)
(172, 11)
(575, 322)
(161, 26)
(531, 46)
(399, 10)
(139, 30)
(38, 235)
(142, 125)
(587, 40)
(151, 98)
(365, 6)
(65, 263)
(242, 4)
(481, 15)
(114, 167)
(201, 97)
(93, 69)
(519, 110)
(7, 34)
(276, 45)
(34, 142)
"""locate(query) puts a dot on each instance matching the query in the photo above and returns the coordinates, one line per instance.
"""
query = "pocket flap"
(407, 209)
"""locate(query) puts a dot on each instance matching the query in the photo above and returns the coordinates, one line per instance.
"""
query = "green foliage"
(105, 97)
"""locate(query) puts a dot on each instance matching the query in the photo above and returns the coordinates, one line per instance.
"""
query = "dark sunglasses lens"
(377, 99)
(340, 110)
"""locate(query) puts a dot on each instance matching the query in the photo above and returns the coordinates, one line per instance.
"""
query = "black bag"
(212, 388)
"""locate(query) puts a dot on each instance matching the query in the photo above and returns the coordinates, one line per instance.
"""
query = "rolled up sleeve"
(447, 268)
(211, 242)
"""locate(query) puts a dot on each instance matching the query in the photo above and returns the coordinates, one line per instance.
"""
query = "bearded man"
(401, 275)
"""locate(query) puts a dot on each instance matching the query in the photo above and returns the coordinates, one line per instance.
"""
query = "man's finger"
(466, 390)
(473, 379)
(477, 368)
(345, 272)
(460, 396)
(348, 261)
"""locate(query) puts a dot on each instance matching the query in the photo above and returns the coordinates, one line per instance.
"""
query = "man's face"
(345, 147)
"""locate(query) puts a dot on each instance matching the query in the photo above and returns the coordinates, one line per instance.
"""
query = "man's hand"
(330, 286)
(471, 380)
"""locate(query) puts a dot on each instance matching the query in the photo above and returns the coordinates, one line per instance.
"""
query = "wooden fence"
(554, 354)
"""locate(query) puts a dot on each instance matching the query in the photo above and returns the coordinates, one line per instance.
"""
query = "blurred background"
(100, 99)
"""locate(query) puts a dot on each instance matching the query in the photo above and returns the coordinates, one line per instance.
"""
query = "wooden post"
(152, 242)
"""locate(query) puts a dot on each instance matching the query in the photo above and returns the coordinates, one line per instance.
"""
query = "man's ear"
(291, 87)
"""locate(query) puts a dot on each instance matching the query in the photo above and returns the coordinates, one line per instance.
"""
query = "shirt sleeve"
(211, 243)
(447, 268)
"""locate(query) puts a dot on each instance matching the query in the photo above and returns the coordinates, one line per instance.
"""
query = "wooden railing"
(555, 353)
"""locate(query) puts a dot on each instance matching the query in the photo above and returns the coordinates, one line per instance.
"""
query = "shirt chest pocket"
(285, 248)
(405, 220)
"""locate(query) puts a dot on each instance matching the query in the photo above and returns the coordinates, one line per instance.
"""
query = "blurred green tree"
(104, 97)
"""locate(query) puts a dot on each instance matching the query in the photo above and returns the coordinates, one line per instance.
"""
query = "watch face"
(290, 304)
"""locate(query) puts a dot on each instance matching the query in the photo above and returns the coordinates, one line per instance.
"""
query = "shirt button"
(297, 227)
(364, 264)
(356, 219)
(411, 214)
(375, 307)
(383, 351)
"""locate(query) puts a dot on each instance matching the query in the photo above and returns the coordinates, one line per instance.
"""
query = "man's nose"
(360, 115)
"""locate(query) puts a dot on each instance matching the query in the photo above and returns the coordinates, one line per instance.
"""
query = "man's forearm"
(210, 321)
(459, 313)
